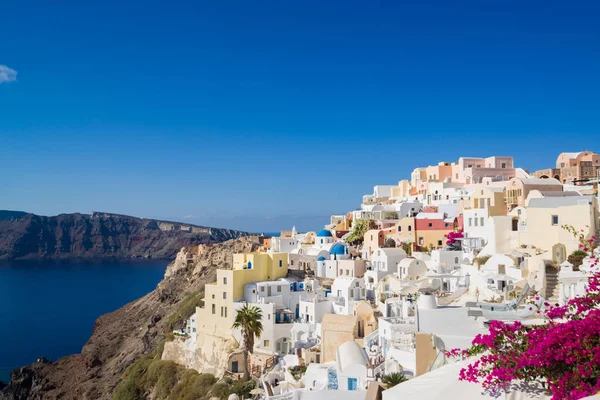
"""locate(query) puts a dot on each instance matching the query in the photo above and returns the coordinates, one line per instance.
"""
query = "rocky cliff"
(24, 235)
(121, 337)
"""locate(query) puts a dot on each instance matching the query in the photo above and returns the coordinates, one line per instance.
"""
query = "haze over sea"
(48, 308)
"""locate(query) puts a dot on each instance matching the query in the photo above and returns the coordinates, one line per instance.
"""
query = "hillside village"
(380, 293)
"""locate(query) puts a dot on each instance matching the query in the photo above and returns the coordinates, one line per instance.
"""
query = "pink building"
(474, 170)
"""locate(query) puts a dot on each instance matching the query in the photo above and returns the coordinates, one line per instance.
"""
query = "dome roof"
(324, 233)
(338, 249)
(321, 258)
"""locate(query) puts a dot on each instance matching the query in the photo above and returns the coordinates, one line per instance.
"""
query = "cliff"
(24, 235)
(121, 337)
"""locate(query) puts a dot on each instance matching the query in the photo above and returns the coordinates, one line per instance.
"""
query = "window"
(555, 220)
(225, 312)
(351, 292)
(481, 221)
(292, 262)
(410, 228)
(262, 288)
(279, 288)
(503, 165)
(352, 384)
(476, 224)
(266, 343)
(224, 295)
(269, 317)
(470, 221)
(221, 311)
(439, 242)
(455, 260)
(399, 229)
(280, 263)
(447, 225)
(225, 281)
(421, 241)
(214, 308)
(213, 296)
(347, 272)
(430, 224)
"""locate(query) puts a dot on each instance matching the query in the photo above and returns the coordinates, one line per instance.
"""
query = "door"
(234, 367)
(352, 384)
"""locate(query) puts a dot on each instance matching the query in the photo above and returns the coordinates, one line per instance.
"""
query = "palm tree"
(249, 320)
(393, 379)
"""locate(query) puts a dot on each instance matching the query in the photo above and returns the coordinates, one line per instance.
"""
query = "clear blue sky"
(258, 115)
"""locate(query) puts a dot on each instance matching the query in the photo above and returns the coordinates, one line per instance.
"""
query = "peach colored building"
(438, 173)
(573, 168)
(518, 189)
(373, 239)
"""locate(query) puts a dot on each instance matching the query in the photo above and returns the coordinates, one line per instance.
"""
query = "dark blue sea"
(48, 308)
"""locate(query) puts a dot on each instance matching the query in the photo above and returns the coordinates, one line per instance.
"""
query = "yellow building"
(542, 226)
(217, 315)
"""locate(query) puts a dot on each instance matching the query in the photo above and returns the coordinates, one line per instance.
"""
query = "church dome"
(321, 258)
(338, 249)
(324, 233)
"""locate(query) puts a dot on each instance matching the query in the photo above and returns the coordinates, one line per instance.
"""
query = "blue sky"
(259, 115)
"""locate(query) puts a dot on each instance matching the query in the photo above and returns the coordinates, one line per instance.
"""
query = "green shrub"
(192, 386)
(221, 390)
(185, 309)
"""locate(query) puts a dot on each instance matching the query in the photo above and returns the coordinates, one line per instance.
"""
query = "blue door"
(352, 384)
(234, 367)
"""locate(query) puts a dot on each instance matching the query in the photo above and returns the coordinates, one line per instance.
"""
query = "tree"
(361, 226)
(249, 320)
(393, 379)
(407, 247)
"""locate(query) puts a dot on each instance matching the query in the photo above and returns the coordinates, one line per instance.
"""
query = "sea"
(48, 308)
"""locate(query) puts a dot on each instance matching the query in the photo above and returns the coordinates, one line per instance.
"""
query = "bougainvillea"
(564, 353)
(452, 238)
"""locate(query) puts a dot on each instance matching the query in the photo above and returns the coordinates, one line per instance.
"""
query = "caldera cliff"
(99, 235)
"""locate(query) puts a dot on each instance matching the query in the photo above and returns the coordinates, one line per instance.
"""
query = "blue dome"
(324, 233)
(321, 258)
(338, 249)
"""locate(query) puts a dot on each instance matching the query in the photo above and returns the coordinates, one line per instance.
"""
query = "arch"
(557, 177)
(544, 177)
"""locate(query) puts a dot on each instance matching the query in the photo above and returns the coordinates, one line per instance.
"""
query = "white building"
(284, 244)
(446, 261)
(347, 292)
(384, 261)
(348, 373)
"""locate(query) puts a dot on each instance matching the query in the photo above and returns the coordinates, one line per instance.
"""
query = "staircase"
(552, 286)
